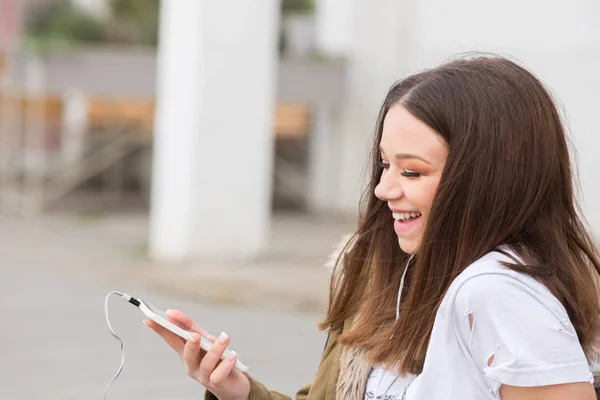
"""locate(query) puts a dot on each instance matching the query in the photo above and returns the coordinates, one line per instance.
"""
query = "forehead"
(404, 133)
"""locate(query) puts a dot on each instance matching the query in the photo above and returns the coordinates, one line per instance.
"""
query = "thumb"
(184, 322)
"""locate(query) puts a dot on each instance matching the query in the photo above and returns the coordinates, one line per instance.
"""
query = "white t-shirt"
(519, 327)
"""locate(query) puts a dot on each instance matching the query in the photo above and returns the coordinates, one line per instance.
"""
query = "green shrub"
(297, 6)
(63, 23)
(129, 22)
(134, 21)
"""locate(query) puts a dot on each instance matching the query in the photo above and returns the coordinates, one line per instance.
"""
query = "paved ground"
(55, 343)
(56, 271)
(112, 248)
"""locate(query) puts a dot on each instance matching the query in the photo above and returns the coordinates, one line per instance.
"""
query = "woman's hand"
(218, 376)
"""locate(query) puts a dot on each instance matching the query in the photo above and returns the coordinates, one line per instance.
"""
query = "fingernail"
(146, 323)
(169, 311)
(223, 338)
(232, 355)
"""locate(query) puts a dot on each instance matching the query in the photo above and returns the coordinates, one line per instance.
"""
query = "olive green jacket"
(341, 374)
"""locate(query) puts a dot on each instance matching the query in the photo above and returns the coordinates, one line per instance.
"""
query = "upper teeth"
(405, 216)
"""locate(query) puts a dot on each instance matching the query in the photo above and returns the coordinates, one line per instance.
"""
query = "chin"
(408, 246)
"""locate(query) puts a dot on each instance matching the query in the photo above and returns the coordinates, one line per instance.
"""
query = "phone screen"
(155, 310)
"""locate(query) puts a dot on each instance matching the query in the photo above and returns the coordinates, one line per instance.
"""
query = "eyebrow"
(407, 156)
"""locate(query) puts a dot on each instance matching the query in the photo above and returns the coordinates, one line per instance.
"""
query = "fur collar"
(354, 364)
(354, 372)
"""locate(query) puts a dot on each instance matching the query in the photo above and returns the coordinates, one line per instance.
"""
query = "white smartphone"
(162, 319)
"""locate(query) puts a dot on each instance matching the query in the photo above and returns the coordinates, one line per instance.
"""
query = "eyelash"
(409, 174)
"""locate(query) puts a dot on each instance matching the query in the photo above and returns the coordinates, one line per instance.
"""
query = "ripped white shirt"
(495, 326)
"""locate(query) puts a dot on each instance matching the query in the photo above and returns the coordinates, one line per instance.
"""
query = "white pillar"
(213, 154)
(394, 38)
(323, 157)
(180, 71)
(34, 149)
(382, 43)
(74, 122)
(334, 23)
(563, 48)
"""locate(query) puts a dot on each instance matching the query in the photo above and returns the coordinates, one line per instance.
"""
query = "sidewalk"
(112, 248)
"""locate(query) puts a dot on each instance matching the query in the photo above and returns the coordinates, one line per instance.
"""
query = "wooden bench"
(135, 113)
(292, 121)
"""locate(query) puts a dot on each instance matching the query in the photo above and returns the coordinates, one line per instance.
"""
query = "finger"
(185, 322)
(191, 354)
(213, 356)
(223, 369)
(176, 342)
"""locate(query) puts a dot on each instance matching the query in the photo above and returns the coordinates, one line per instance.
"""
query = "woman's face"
(413, 157)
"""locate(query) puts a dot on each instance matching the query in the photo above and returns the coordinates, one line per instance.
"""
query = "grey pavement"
(56, 271)
(112, 248)
(55, 343)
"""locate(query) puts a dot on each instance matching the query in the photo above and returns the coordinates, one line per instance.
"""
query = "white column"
(323, 157)
(394, 38)
(382, 46)
(237, 147)
(334, 24)
(179, 102)
(562, 48)
(74, 122)
(213, 150)
(34, 154)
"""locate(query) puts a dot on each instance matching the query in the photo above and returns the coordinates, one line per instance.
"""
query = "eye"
(410, 174)
(383, 165)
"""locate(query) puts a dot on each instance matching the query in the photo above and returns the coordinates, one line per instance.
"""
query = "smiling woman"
(471, 274)
(411, 175)
(498, 273)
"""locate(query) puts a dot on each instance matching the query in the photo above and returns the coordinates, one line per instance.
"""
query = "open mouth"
(406, 216)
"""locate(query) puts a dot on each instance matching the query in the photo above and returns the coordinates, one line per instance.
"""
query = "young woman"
(471, 275)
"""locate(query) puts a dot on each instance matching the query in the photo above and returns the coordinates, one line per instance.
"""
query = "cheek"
(422, 195)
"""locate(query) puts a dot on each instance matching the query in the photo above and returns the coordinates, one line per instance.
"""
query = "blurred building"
(218, 128)
(12, 18)
(99, 7)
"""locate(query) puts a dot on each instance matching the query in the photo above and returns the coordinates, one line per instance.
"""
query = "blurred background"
(210, 155)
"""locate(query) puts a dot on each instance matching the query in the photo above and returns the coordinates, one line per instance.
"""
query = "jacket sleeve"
(258, 391)
(302, 394)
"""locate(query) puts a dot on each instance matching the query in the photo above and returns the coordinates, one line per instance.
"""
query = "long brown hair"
(507, 181)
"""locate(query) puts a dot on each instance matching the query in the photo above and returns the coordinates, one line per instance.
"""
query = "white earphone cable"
(402, 286)
(125, 296)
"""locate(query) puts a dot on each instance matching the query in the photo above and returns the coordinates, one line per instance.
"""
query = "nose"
(388, 188)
